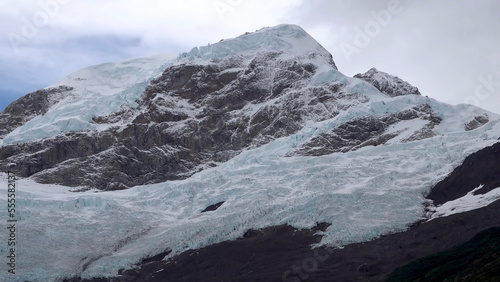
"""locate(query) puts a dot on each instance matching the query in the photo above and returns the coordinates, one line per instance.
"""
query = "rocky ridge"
(390, 85)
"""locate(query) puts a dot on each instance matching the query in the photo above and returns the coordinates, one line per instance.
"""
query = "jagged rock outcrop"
(31, 105)
(388, 84)
(476, 122)
(370, 131)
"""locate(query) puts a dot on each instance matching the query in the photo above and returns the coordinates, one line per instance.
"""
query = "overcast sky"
(449, 49)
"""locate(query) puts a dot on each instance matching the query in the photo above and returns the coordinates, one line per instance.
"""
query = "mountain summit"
(165, 120)
(171, 154)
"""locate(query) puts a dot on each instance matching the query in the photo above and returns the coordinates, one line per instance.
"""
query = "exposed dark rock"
(375, 260)
(476, 260)
(369, 131)
(476, 122)
(250, 258)
(213, 207)
(96, 279)
(388, 84)
(29, 106)
(480, 168)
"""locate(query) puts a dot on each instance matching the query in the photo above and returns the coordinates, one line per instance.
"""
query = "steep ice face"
(290, 40)
(202, 113)
(262, 86)
(192, 117)
(97, 90)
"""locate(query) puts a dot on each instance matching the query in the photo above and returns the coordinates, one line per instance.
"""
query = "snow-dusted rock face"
(30, 106)
(373, 131)
(150, 120)
(205, 108)
(388, 84)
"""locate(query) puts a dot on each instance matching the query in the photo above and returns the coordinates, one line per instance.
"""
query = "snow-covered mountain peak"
(106, 88)
(290, 40)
